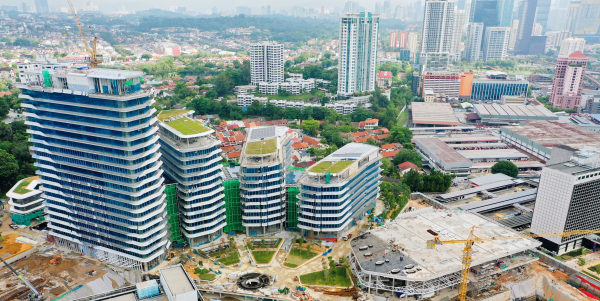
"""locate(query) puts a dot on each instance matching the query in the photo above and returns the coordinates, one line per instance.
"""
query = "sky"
(202, 5)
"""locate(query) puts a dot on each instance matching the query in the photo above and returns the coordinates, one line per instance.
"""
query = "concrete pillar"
(369, 283)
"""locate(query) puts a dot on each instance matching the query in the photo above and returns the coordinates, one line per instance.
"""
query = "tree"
(311, 126)
(146, 56)
(400, 134)
(9, 170)
(407, 155)
(506, 167)
(223, 84)
(581, 261)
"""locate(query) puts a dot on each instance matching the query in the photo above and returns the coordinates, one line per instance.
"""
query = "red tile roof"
(389, 154)
(300, 145)
(311, 141)
(385, 74)
(577, 54)
(407, 165)
(391, 145)
(227, 148)
(361, 139)
(233, 155)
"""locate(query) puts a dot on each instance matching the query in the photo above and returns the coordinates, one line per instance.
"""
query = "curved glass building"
(95, 142)
(191, 157)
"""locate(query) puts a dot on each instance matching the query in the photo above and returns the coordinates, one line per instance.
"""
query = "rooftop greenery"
(188, 126)
(330, 166)
(170, 113)
(261, 147)
(22, 188)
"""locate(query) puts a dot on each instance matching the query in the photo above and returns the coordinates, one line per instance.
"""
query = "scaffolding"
(173, 213)
(292, 209)
(25, 219)
(233, 206)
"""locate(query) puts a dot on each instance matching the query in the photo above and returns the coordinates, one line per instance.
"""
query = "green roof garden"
(188, 126)
(22, 188)
(163, 115)
(330, 166)
(261, 147)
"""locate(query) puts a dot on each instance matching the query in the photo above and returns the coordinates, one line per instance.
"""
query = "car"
(14, 226)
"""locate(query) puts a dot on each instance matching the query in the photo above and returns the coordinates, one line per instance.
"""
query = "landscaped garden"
(225, 253)
(301, 252)
(204, 274)
(268, 248)
(330, 275)
(263, 257)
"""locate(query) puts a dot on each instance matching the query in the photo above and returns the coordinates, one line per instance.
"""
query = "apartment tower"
(568, 81)
(266, 62)
(438, 38)
(95, 141)
(358, 53)
(495, 43)
(472, 51)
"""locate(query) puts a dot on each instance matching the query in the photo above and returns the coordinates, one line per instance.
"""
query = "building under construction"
(396, 258)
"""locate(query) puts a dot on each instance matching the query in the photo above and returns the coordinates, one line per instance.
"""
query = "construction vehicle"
(35, 295)
(170, 256)
(284, 290)
(57, 259)
(95, 59)
(467, 257)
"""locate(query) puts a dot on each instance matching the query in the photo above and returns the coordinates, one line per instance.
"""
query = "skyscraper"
(457, 31)
(412, 42)
(513, 34)
(244, 10)
(41, 6)
(583, 17)
(570, 45)
(507, 12)
(358, 52)
(568, 81)
(95, 142)
(488, 12)
(393, 38)
(351, 7)
(474, 40)
(266, 62)
(495, 43)
(542, 13)
(438, 35)
(525, 30)
(191, 157)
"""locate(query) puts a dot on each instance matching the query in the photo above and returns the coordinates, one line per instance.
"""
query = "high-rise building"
(507, 12)
(191, 158)
(41, 6)
(570, 45)
(495, 43)
(358, 52)
(446, 83)
(412, 42)
(537, 29)
(416, 83)
(525, 30)
(474, 41)
(567, 199)
(244, 10)
(568, 81)
(437, 38)
(542, 12)
(351, 7)
(402, 39)
(95, 142)
(399, 13)
(583, 17)
(266, 62)
(337, 192)
(513, 34)
(488, 12)
(264, 162)
(393, 38)
(555, 39)
(457, 31)
(378, 8)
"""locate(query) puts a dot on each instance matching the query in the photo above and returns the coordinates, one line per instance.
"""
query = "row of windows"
(104, 200)
(205, 221)
(94, 212)
(196, 177)
(262, 213)
(119, 244)
(88, 155)
(90, 129)
(96, 182)
(200, 152)
(77, 222)
(263, 192)
(111, 168)
(261, 200)
(190, 162)
(89, 111)
(263, 178)
(94, 148)
(207, 228)
(197, 169)
(263, 169)
(98, 121)
(94, 139)
(201, 184)
(203, 214)
(250, 206)
(262, 185)
(95, 173)
(110, 231)
(350, 203)
(85, 100)
(371, 169)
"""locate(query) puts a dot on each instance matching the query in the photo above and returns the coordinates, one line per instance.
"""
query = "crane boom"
(94, 62)
(27, 283)
(467, 257)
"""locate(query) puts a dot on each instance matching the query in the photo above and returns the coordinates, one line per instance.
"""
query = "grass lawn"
(21, 189)
(233, 259)
(327, 166)
(339, 278)
(298, 256)
(572, 254)
(209, 277)
(261, 147)
(290, 97)
(402, 118)
(263, 257)
(170, 113)
(188, 126)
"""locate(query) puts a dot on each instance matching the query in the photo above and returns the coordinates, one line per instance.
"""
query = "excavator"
(95, 59)
(57, 260)
(467, 257)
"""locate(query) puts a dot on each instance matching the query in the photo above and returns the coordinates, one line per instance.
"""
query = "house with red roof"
(361, 139)
(389, 154)
(233, 155)
(384, 78)
(391, 147)
(368, 124)
(312, 142)
(301, 146)
(407, 166)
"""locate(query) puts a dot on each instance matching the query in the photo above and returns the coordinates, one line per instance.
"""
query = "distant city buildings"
(398, 39)
(570, 45)
(472, 51)
(358, 53)
(525, 29)
(438, 42)
(568, 81)
(583, 17)
(495, 43)
(266, 62)
(41, 6)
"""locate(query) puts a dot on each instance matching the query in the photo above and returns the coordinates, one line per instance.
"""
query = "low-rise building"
(437, 154)
(368, 124)
(384, 78)
(26, 202)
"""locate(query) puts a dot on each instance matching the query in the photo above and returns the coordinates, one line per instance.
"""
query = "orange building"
(466, 85)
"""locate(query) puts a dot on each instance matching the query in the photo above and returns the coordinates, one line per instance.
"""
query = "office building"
(583, 17)
(457, 31)
(405, 55)
(542, 13)
(351, 7)
(266, 62)
(26, 202)
(567, 199)
(358, 53)
(488, 12)
(399, 13)
(568, 81)
(474, 41)
(41, 6)
(494, 89)
(191, 158)
(416, 83)
(466, 85)
(570, 45)
(513, 34)
(495, 43)
(437, 38)
(337, 192)
(95, 143)
(443, 83)
(507, 13)
(525, 30)
(264, 162)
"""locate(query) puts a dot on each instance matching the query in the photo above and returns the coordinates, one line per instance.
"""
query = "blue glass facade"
(101, 175)
(493, 90)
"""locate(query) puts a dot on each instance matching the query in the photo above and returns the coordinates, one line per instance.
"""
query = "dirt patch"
(542, 270)
(10, 246)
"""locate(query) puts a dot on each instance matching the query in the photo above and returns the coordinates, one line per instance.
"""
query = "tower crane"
(36, 295)
(467, 257)
(94, 61)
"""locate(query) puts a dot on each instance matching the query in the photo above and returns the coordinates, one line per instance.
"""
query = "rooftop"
(187, 126)
(514, 111)
(177, 280)
(330, 166)
(441, 150)
(493, 178)
(549, 133)
(409, 231)
(23, 186)
(492, 154)
(433, 113)
(261, 147)
(168, 114)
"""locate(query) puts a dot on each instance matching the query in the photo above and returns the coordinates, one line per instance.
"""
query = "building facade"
(444, 83)
(568, 81)
(26, 202)
(95, 142)
(495, 43)
(336, 192)
(472, 51)
(438, 35)
(358, 53)
(266, 62)
(490, 89)
(570, 45)
(583, 17)
(41, 6)
(264, 162)
(191, 157)
(525, 29)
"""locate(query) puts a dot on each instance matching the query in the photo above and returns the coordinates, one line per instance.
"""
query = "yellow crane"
(467, 257)
(94, 61)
